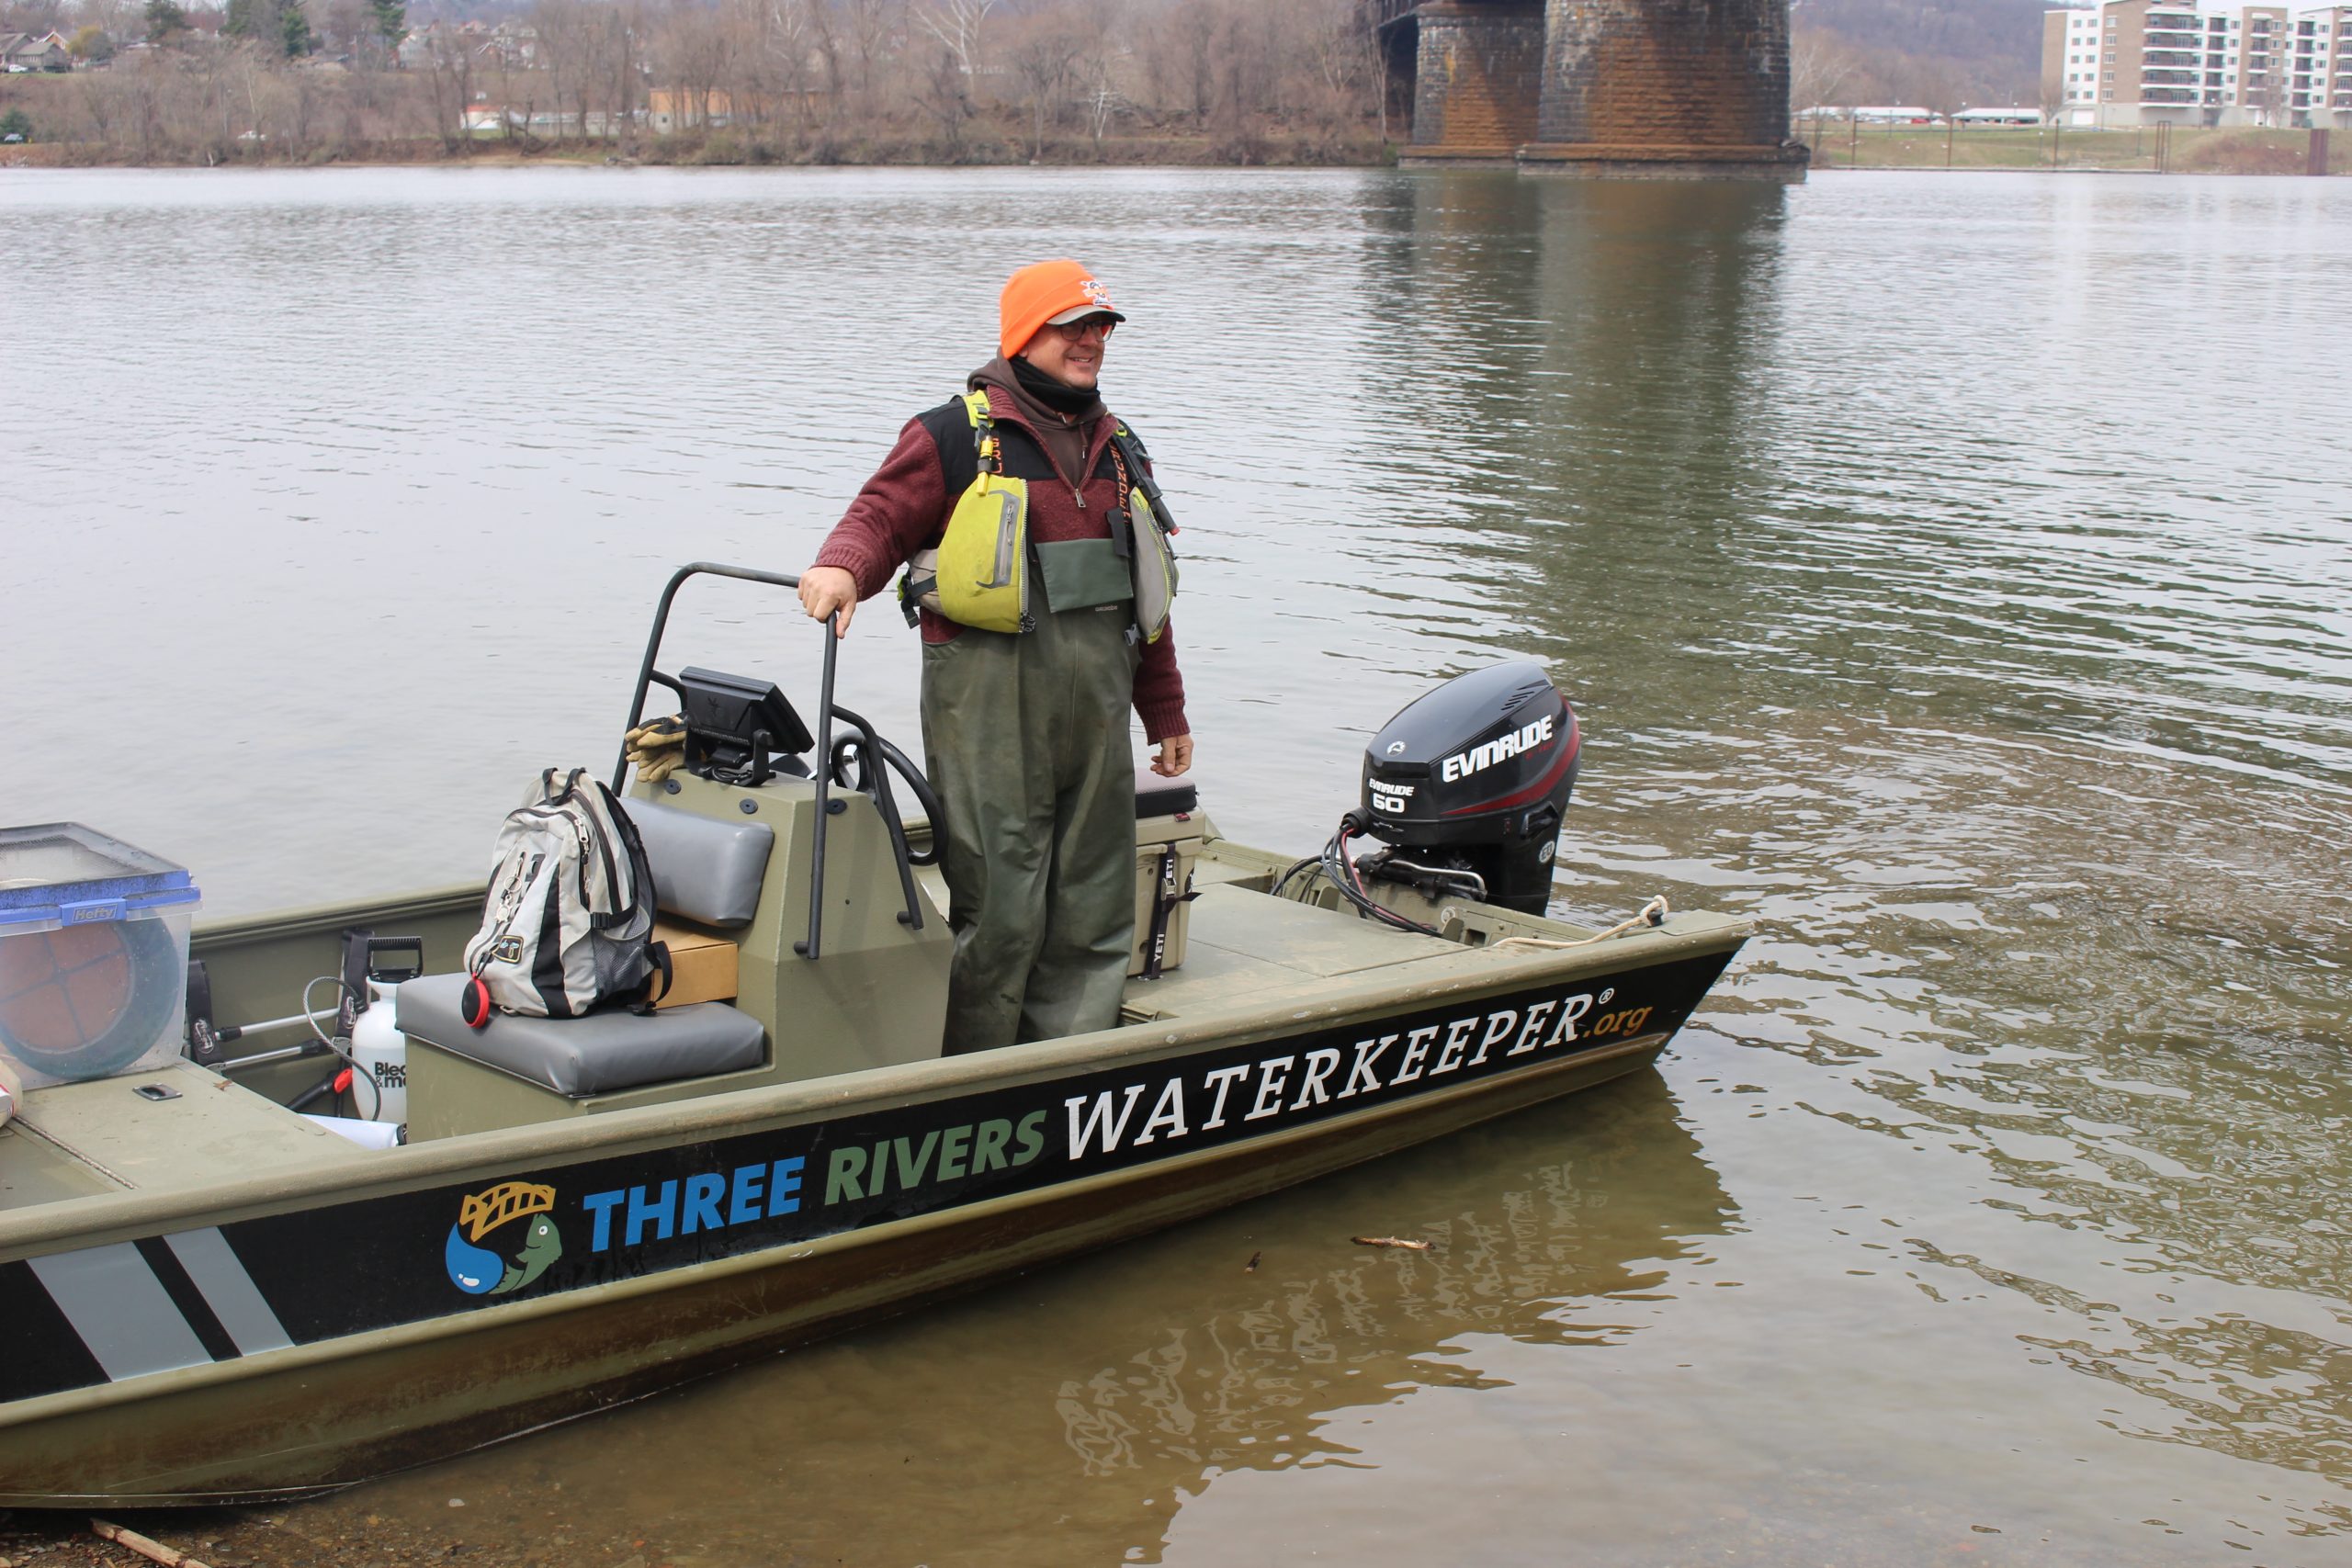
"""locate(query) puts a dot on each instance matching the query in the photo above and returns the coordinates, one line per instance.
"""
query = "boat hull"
(345, 1412)
(293, 1332)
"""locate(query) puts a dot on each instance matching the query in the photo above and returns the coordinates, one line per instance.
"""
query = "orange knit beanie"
(1047, 292)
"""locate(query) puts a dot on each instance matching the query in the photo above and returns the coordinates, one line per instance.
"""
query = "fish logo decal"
(503, 1239)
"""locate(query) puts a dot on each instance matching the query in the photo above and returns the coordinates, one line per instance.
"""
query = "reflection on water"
(1258, 1381)
(1984, 643)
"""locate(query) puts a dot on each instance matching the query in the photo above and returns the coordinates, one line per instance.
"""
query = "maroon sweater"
(904, 507)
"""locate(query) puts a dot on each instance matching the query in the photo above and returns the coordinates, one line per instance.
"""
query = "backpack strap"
(647, 997)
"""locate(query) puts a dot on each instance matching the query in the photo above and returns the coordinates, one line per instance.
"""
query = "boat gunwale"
(228, 930)
(98, 1219)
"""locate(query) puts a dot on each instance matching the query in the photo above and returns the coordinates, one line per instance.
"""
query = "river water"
(1951, 573)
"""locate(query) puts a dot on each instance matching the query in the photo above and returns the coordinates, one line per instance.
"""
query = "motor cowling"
(1474, 776)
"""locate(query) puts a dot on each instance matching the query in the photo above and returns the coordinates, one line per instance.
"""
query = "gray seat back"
(704, 870)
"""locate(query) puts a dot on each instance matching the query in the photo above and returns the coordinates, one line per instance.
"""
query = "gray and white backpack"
(570, 919)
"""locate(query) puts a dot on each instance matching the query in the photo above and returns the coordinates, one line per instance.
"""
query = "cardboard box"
(703, 966)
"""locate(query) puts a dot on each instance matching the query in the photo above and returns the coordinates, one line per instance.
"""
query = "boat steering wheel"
(852, 765)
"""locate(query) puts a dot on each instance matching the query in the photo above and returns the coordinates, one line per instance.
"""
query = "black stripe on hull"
(188, 1299)
(43, 1355)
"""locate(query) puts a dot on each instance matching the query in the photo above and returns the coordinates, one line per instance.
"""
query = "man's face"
(1071, 355)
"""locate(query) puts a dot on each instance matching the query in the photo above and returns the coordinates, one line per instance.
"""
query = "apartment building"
(2319, 69)
(2132, 62)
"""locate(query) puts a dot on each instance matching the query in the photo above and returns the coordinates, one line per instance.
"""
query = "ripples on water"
(1952, 575)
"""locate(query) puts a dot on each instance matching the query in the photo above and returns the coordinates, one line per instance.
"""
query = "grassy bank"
(2187, 150)
(725, 149)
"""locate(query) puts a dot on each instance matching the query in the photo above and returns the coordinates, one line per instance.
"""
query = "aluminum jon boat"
(212, 1297)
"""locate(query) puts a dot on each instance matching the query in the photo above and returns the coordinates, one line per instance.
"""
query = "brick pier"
(1477, 79)
(1625, 89)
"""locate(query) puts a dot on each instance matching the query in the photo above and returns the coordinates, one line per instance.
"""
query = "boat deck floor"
(1245, 947)
(83, 1140)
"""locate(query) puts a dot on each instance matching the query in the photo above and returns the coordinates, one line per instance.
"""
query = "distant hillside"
(1941, 53)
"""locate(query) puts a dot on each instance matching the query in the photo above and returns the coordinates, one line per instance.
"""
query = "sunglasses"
(1073, 331)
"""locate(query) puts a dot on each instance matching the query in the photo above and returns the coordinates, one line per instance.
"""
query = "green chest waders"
(1026, 736)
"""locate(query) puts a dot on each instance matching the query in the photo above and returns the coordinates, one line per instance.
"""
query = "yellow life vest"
(979, 576)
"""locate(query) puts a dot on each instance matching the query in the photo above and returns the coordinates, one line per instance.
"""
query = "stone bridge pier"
(1639, 89)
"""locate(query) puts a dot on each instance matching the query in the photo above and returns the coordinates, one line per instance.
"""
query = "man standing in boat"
(1038, 570)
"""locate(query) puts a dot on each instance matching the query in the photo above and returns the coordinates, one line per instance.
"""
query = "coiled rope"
(1652, 913)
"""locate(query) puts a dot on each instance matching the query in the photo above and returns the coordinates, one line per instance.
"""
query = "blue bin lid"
(65, 874)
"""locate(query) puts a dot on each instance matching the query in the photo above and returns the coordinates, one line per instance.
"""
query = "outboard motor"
(1472, 778)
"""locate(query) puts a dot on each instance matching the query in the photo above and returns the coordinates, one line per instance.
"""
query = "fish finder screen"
(724, 712)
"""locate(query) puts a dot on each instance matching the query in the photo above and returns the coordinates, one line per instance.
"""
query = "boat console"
(733, 862)
(877, 995)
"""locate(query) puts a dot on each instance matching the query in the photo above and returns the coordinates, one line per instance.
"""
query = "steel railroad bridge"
(1625, 89)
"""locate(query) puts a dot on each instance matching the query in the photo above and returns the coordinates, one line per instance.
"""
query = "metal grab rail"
(646, 677)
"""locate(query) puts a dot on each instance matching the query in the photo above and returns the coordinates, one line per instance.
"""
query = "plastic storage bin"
(92, 954)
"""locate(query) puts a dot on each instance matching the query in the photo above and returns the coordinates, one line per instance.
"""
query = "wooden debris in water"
(1251, 1267)
(154, 1550)
(1408, 1244)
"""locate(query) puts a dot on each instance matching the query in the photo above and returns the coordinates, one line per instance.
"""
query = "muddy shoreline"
(264, 1537)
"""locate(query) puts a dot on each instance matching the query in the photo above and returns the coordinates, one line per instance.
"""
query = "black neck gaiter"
(1058, 396)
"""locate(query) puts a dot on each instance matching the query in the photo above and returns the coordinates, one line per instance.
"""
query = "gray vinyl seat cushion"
(577, 1056)
(707, 870)
(1155, 797)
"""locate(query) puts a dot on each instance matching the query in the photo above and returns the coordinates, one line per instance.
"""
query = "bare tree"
(1821, 68)
(872, 26)
(365, 104)
(449, 76)
(692, 50)
(1183, 53)
(1935, 85)
(621, 65)
(780, 57)
(944, 95)
(118, 19)
(562, 27)
(825, 58)
(1101, 64)
(34, 17)
(956, 25)
(1045, 55)
(100, 101)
